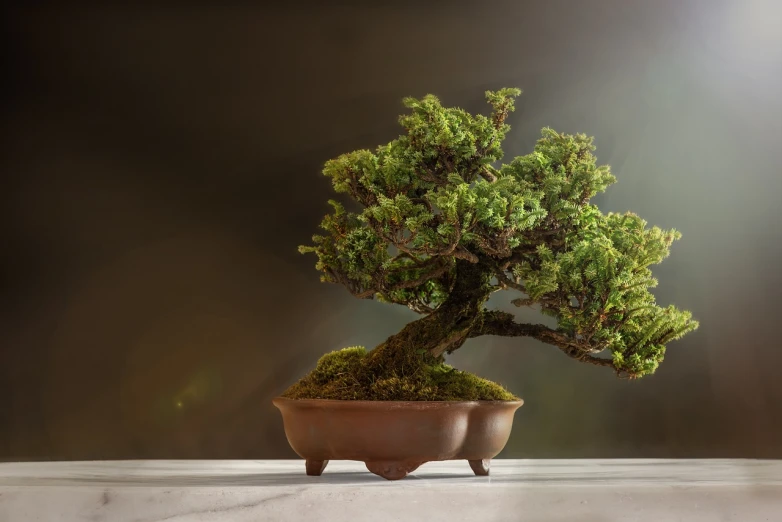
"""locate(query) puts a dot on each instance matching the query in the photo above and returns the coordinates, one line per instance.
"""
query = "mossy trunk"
(426, 340)
(409, 366)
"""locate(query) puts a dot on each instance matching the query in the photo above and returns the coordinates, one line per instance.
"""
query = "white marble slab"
(517, 490)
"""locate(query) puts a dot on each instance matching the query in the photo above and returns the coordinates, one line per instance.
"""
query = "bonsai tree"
(436, 225)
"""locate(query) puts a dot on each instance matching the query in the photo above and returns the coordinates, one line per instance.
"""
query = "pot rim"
(346, 403)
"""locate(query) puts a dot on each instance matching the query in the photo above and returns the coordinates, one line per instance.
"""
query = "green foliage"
(339, 375)
(430, 193)
(598, 288)
(434, 196)
(563, 170)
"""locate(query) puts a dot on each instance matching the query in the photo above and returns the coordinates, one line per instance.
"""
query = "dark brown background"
(160, 166)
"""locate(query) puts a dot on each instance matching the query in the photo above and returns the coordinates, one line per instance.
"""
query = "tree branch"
(415, 305)
(505, 280)
(503, 324)
(437, 272)
(382, 287)
(487, 175)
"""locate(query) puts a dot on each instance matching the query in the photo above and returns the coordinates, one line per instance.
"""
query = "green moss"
(337, 364)
(346, 375)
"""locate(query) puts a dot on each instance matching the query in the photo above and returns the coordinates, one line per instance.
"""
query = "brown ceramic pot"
(393, 438)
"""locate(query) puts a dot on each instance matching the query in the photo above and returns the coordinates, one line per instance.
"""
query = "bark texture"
(426, 340)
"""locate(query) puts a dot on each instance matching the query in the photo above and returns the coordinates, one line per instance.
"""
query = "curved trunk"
(445, 330)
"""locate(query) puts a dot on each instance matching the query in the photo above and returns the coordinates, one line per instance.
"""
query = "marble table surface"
(278, 490)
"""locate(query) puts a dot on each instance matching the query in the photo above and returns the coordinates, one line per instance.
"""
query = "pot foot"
(315, 467)
(480, 467)
(392, 470)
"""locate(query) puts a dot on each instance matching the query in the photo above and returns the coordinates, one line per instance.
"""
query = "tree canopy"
(437, 196)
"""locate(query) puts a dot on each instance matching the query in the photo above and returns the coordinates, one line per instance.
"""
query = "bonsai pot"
(393, 438)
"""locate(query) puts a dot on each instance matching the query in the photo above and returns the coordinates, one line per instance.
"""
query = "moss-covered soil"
(347, 375)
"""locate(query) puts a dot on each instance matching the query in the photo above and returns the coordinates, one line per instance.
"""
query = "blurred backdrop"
(161, 165)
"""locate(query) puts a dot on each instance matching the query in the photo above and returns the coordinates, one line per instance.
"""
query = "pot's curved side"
(395, 437)
(489, 429)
